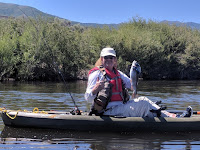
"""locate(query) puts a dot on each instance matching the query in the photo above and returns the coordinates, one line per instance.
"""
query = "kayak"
(84, 122)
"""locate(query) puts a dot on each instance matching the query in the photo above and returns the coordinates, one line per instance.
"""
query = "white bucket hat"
(108, 51)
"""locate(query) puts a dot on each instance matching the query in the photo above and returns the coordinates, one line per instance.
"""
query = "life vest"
(114, 90)
(116, 81)
(93, 70)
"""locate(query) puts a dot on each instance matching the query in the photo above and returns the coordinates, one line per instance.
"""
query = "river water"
(177, 95)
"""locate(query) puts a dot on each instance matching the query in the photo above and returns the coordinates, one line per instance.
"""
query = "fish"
(135, 71)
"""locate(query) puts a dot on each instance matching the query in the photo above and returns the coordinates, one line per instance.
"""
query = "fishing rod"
(181, 111)
(56, 68)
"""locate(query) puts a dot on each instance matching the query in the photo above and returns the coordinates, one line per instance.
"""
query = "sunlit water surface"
(177, 95)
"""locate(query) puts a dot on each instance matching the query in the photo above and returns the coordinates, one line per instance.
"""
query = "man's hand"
(99, 86)
(134, 95)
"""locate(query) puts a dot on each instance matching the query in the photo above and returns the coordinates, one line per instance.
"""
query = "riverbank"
(162, 50)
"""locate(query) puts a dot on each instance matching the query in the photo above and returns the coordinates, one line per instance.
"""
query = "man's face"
(108, 61)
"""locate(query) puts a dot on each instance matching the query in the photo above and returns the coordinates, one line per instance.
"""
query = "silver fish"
(134, 76)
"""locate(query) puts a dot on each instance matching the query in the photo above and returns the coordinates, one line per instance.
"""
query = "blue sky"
(117, 11)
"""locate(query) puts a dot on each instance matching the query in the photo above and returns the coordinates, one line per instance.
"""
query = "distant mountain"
(14, 10)
(1, 17)
(193, 25)
(98, 25)
(188, 24)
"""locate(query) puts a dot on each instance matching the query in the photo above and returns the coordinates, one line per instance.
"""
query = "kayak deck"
(65, 120)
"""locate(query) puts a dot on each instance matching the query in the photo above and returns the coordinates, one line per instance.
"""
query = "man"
(107, 90)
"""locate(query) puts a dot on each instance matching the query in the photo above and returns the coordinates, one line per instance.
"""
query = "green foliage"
(38, 49)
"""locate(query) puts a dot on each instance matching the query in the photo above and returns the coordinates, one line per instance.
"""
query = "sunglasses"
(108, 57)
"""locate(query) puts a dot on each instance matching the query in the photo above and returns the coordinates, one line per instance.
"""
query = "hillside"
(4, 17)
(188, 24)
(14, 10)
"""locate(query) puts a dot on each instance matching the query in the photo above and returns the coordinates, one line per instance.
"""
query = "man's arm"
(93, 86)
(126, 80)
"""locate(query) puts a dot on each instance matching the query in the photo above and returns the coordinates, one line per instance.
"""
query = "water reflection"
(44, 87)
(41, 100)
(45, 96)
(177, 95)
(90, 140)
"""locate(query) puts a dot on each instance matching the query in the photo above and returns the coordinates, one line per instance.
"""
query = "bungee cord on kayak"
(35, 110)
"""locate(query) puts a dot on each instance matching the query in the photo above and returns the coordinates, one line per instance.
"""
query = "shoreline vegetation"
(37, 50)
